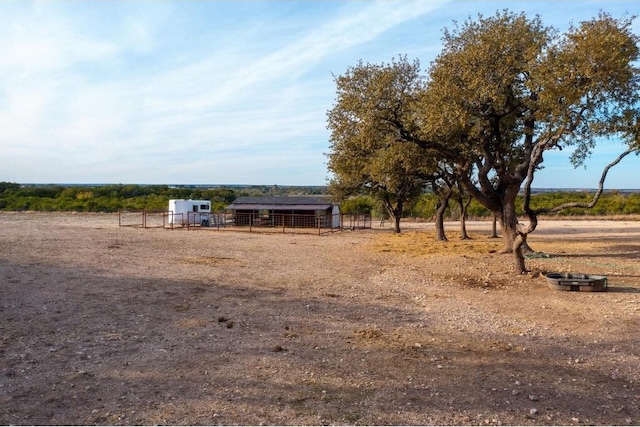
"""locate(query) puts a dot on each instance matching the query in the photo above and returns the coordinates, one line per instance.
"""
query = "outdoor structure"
(189, 212)
(290, 212)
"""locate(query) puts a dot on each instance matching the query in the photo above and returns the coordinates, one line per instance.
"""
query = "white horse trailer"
(189, 212)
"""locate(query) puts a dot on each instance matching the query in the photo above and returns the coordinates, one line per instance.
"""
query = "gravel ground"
(107, 325)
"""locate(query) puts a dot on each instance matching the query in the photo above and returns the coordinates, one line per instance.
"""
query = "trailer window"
(204, 207)
(195, 208)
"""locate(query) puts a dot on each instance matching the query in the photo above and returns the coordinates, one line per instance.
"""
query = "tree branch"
(596, 196)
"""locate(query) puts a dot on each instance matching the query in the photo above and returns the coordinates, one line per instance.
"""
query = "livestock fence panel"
(252, 222)
(145, 219)
(130, 219)
(356, 221)
(287, 223)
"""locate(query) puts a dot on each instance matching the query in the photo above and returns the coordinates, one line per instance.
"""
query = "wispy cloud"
(89, 95)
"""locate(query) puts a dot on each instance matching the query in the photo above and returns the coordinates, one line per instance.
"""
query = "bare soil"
(107, 325)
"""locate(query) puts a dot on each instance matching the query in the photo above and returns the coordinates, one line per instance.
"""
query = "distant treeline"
(610, 203)
(115, 197)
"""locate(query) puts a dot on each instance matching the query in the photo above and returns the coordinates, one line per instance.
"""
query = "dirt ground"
(107, 325)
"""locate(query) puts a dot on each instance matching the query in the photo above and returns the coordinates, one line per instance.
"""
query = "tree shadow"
(142, 350)
(623, 289)
(623, 255)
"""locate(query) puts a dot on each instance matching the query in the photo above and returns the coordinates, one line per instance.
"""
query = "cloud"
(246, 97)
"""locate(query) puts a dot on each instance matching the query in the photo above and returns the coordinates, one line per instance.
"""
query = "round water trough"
(576, 282)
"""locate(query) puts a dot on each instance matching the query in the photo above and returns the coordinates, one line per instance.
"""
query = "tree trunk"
(463, 218)
(519, 242)
(395, 212)
(441, 208)
(505, 214)
(396, 223)
(463, 228)
(494, 227)
(439, 223)
(508, 224)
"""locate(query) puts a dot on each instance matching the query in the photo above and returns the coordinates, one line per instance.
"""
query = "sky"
(220, 92)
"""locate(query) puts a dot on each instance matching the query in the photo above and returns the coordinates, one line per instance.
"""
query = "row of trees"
(103, 198)
(111, 198)
(115, 197)
(503, 91)
(610, 203)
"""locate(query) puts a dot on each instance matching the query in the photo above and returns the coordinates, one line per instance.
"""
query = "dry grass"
(421, 243)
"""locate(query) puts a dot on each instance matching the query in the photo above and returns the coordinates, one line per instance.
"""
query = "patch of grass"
(425, 243)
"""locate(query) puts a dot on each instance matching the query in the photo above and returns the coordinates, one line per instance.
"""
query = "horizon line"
(212, 185)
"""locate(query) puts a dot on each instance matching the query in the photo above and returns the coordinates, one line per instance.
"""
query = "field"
(108, 325)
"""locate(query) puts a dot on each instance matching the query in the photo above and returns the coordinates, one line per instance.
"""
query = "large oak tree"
(504, 91)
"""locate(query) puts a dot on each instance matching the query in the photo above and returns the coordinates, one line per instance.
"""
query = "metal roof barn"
(286, 211)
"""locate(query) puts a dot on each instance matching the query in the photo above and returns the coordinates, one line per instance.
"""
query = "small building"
(189, 212)
(286, 211)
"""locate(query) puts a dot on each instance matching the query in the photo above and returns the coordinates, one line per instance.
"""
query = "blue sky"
(224, 92)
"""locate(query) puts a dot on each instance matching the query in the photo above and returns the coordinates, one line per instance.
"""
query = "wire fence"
(251, 222)
(143, 219)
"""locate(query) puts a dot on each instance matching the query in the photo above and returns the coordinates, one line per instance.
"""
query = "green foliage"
(632, 204)
(425, 207)
(115, 197)
(610, 203)
(111, 198)
(358, 205)
(4, 186)
(278, 190)
(103, 198)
